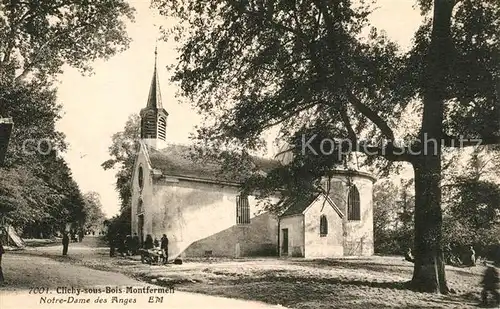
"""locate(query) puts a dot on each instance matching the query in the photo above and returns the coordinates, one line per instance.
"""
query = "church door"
(140, 228)
(284, 246)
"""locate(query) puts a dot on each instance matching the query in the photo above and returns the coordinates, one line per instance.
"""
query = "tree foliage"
(40, 203)
(38, 194)
(93, 214)
(123, 152)
(393, 206)
(471, 207)
(472, 213)
(38, 37)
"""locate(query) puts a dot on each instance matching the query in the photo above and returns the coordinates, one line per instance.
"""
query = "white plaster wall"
(359, 234)
(295, 226)
(199, 217)
(317, 246)
(145, 194)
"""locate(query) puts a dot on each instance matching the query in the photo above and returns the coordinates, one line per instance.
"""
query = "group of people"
(156, 249)
(469, 258)
(132, 245)
(125, 245)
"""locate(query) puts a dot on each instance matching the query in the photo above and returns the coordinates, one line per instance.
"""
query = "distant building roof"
(178, 160)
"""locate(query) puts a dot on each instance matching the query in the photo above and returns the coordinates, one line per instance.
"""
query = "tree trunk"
(429, 269)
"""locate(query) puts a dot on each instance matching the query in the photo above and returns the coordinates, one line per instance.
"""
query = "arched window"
(353, 204)
(162, 127)
(323, 226)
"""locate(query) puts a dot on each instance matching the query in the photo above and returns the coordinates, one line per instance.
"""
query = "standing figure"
(112, 245)
(136, 244)
(164, 248)
(497, 255)
(472, 256)
(65, 243)
(490, 284)
(156, 243)
(80, 236)
(148, 243)
(129, 244)
(122, 246)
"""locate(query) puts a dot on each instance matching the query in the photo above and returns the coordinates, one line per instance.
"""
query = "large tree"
(306, 64)
(38, 192)
(38, 37)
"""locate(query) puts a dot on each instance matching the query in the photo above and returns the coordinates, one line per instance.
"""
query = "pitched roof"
(297, 206)
(177, 160)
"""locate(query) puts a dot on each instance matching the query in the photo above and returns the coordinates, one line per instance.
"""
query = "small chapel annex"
(204, 215)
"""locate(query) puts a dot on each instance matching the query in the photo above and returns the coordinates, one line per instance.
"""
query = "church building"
(204, 214)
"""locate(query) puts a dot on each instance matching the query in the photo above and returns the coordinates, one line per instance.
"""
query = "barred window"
(242, 210)
(353, 204)
(323, 226)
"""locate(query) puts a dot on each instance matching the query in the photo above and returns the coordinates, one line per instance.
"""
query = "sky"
(97, 106)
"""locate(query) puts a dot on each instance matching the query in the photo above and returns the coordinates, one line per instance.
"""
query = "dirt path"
(40, 282)
(24, 271)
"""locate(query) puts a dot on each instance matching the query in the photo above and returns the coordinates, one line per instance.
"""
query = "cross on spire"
(154, 98)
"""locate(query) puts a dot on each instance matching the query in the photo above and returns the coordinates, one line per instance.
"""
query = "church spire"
(154, 116)
(154, 98)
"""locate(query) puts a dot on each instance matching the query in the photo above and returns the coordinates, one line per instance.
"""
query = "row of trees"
(38, 194)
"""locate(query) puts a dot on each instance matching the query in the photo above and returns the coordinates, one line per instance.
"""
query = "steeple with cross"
(154, 116)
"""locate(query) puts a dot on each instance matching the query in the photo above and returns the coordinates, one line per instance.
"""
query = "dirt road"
(40, 282)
